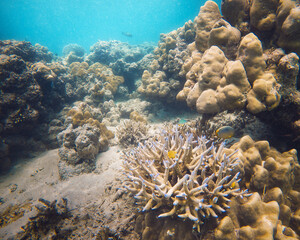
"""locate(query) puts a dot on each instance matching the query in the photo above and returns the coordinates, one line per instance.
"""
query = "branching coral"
(188, 175)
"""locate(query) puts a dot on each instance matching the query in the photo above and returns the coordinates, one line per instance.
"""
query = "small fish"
(127, 34)
(225, 132)
(172, 154)
(232, 185)
(182, 121)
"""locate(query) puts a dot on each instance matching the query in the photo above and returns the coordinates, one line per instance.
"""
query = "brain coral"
(184, 175)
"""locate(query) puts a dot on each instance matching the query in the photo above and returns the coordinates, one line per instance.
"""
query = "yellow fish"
(225, 132)
(172, 154)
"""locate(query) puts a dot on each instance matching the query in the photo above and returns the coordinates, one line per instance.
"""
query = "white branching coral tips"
(195, 184)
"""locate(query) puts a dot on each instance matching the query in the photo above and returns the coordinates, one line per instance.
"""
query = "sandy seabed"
(96, 195)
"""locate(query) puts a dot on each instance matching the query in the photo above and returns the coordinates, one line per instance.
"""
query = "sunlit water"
(56, 23)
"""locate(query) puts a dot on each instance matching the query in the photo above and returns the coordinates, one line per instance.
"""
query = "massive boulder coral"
(209, 14)
(273, 21)
(96, 80)
(237, 13)
(218, 84)
(269, 212)
(162, 80)
(209, 87)
(183, 175)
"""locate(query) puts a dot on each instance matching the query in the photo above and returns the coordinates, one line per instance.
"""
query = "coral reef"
(73, 53)
(96, 80)
(75, 48)
(125, 60)
(196, 184)
(273, 21)
(49, 215)
(135, 109)
(30, 93)
(130, 133)
(162, 78)
(26, 51)
(213, 181)
(224, 67)
(82, 139)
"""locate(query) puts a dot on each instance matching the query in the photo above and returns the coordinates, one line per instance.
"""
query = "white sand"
(38, 178)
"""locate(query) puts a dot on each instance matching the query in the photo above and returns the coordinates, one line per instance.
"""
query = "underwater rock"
(30, 94)
(78, 150)
(82, 138)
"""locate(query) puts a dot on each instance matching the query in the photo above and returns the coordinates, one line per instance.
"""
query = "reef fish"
(127, 34)
(182, 121)
(172, 154)
(225, 132)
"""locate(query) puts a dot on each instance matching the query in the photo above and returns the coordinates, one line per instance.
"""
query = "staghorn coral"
(197, 184)
(130, 132)
(271, 212)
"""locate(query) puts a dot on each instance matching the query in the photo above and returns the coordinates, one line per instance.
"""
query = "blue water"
(56, 23)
